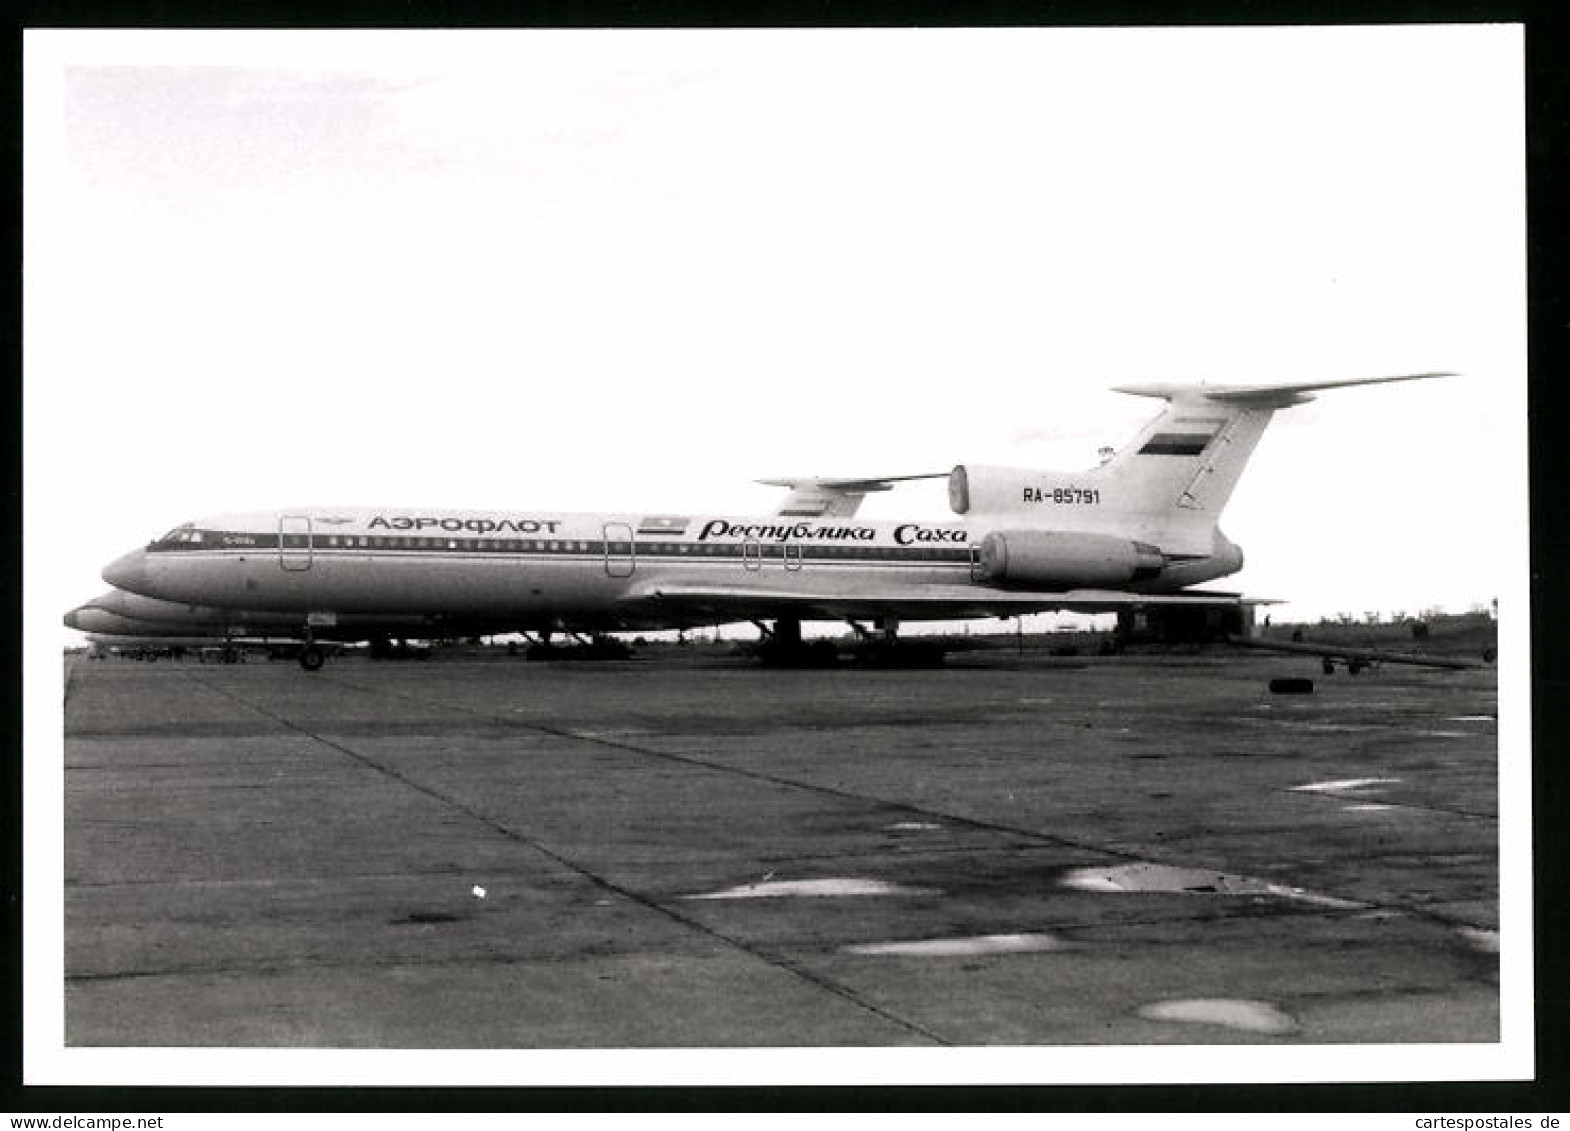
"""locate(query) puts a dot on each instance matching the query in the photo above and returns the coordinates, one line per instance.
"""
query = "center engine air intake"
(981, 489)
(1047, 557)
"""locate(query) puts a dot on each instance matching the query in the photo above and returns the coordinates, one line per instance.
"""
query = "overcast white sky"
(638, 270)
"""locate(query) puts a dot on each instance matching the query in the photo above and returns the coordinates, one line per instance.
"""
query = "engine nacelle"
(1048, 557)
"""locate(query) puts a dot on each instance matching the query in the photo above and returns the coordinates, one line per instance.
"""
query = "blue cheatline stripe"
(350, 544)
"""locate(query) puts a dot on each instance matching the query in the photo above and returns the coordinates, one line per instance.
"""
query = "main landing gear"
(595, 646)
(882, 648)
(783, 647)
(388, 648)
(1354, 665)
(878, 647)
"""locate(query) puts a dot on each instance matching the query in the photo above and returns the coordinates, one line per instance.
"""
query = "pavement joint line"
(291, 881)
(1415, 910)
(756, 775)
(691, 923)
(773, 779)
(305, 965)
(70, 682)
(1332, 796)
(1084, 926)
(325, 965)
(123, 767)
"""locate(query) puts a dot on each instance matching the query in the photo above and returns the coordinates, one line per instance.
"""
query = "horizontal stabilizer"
(1259, 396)
(815, 496)
(861, 486)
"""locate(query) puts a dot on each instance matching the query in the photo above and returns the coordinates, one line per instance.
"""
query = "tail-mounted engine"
(976, 489)
(991, 490)
(1047, 557)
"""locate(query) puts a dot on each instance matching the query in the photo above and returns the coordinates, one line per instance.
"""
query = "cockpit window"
(182, 535)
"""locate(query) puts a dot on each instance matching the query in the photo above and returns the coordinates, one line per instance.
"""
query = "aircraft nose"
(120, 602)
(71, 619)
(128, 572)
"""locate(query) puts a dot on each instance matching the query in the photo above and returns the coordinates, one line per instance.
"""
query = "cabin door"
(621, 552)
(294, 542)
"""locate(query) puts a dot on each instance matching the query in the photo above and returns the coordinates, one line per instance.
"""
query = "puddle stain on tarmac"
(1345, 785)
(826, 888)
(1164, 878)
(1231, 1013)
(1030, 943)
(1481, 938)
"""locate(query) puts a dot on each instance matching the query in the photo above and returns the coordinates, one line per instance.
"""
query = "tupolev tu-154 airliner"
(1137, 532)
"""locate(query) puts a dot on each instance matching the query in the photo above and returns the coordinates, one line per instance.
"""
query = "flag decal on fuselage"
(662, 524)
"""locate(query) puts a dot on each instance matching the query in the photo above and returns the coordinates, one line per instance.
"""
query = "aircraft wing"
(1359, 656)
(762, 601)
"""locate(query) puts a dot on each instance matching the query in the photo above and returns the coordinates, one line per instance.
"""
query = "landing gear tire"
(312, 657)
(892, 653)
(783, 647)
(808, 654)
(1328, 666)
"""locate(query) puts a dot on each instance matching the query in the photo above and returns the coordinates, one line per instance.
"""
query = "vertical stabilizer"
(1168, 486)
(1191, 457)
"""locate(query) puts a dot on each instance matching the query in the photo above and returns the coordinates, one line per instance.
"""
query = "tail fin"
(1192, 455)
(1171, 483)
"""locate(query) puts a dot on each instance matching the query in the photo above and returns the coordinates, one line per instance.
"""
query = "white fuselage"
(529, 569)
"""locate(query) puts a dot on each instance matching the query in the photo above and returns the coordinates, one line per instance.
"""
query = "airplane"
(116, 614)
(1356, 659)
(121, 619)
(1136, 532)
(146, 647)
